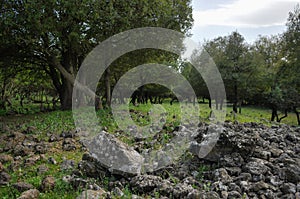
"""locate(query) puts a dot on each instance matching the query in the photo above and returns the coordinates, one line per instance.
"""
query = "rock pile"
(248, 161)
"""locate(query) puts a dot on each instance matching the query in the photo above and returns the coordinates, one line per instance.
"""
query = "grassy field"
(58, 121)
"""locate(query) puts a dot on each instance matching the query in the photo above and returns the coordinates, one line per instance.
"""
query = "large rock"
(4, 178)
(30, 194)
(22, 186)
(115, 155)
(92, 194)
(48, 183)
(145, 183)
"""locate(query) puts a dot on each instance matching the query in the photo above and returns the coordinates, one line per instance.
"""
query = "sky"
(251, 18)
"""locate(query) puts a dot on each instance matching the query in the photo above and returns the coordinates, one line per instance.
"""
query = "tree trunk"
(285, 115)
(65, 95)
(274, 114)
(235, 100)
(297, 114)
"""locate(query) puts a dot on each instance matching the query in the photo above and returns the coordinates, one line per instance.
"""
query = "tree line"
(43, 44)
(265, 72)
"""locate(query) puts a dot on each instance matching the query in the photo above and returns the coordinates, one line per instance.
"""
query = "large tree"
(56, 35)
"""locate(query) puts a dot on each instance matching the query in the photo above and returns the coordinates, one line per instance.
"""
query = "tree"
(291, 68)
(56, 35)
(230, 53)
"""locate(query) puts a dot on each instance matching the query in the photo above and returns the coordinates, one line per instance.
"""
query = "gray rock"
(256, 167)
(4, 158)
(145, 183)
(69, 144)
(292, 173)
(30, 194)
(193, 194)
(115, 155)
(4, 178)
(234, 194)
(20, 150)
(92, 169)
(42, 169)
(92, 194)
(288, 188)
(48, 183)
(1, 167)
(22, 186)
(117, 192)
(222, 175)
(259, 186)
(181, 190)
(51, 160)
(53, 138)
(41, 148)
(32, 160)
(67, 164)
(209, 195)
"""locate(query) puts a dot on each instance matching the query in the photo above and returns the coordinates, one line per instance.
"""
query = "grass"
(58, 121)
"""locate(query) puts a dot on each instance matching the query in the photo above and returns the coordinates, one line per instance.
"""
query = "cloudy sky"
(251, 18)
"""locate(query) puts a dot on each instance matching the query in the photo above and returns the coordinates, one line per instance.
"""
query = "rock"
(222, 175)
(224, 194)
(276, 152)
(262, 154)
(69, 144)
(30, 194)
(92, 194)
(115, 155)
(245, 186)
(288, 188)
(51, 160)
(92, 169)
(42, 169)
(78, 183)
(193, 194)
(30, 130)
(233, 171)
(22, 186)
(4, 158)
(53, 138)
(1, 167)
(32, 160)
(117, 192)
(292, 173)
(234, 194)
(41, 148)
(68, 134)
(256, 167)
(67, 164)
(48, 183)
(145, 183)
(259, 186)
(4, 178)
(20, 150)
(29, 143)
(209, 195)
(181, 190)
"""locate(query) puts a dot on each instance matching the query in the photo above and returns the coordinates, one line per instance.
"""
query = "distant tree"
(290, 73)
(230, 53)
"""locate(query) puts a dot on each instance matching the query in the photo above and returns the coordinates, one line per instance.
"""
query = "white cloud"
(246, 13)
